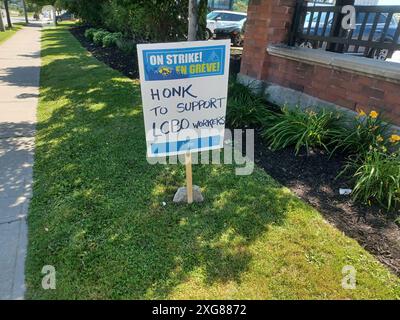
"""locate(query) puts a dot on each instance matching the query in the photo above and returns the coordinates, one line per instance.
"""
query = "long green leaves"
(301, 128)
(377, 177)
(374, 160)
(356, 135)
(246, 109)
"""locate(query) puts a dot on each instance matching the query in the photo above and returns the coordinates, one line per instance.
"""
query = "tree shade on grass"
(10, 32)
(97, 214)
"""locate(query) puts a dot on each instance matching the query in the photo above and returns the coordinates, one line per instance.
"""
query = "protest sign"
(184, 92)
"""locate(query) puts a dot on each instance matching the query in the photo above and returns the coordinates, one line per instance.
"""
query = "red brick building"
(310, 77)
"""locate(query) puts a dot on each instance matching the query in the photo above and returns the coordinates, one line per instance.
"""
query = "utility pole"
(192, 26)
(25, 11)
(2, 27)
(8, 14)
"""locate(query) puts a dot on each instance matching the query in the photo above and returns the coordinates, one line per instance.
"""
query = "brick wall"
(342, 88)
(269, 22)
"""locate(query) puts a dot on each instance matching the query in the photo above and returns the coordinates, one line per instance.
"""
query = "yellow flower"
(379, 138)
(373, 114)
(361, 113)
(394, 138)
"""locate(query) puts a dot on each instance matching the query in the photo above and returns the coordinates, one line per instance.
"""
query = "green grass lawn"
(10, 32)
(97, 214)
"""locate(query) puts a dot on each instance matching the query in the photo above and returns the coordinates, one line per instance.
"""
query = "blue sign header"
(170, 64)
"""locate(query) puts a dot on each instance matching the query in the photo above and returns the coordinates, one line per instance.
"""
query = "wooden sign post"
(184, 92)
(192, 35)
(189, 182)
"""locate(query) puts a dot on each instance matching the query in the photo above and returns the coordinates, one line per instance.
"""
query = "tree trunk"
(2, 27)
(192, 26)
(8, 14)
(202, 19)
(54, 16)
(25, 12)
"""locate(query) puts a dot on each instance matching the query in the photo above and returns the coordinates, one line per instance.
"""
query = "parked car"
(375, 53)
(222, 18)
(235, 33)
(65, 16)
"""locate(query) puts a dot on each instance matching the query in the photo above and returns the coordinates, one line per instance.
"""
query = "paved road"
(19, 90)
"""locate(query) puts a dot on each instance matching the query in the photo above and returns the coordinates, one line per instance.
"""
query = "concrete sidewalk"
(19, 91)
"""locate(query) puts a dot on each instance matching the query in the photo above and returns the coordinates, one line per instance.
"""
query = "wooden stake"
(192, 35)
(189, 186)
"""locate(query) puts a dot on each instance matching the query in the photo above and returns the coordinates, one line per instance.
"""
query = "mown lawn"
(9, 32)
(97, 213)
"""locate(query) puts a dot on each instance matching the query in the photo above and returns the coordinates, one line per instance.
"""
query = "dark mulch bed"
(312, 178)
(113, 57)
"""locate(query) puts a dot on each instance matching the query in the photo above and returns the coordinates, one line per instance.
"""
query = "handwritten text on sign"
(184, 93)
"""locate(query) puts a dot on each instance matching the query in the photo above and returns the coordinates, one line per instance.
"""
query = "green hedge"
(99, 35)
(111, 39)
(161, 20)
(107, 39)
(89, 33)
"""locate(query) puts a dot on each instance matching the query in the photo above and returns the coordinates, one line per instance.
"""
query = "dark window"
(213, 15)
(236, 17)
(231, 17)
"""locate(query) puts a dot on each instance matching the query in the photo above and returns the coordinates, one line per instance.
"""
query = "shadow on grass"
(97, 214)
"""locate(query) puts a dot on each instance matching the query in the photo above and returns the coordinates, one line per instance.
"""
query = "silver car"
(222, 18)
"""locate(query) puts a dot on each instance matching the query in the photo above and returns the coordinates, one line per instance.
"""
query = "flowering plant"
(360, 133)
(374, 160)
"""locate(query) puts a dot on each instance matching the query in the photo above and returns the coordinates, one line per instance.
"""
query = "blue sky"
(390, 2)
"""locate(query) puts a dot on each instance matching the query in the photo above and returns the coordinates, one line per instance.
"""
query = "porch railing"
(376, 33)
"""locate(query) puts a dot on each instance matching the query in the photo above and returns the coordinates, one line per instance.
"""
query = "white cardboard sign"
(184, 88)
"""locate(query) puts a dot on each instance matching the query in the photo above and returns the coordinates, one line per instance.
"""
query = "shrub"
(362, 132)
(374, 160)
(244, 108)
(159, 21)
(377, 176)
(301, 128)
(89, 33)
(126, 46)
(110, 39)
(99, 35)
